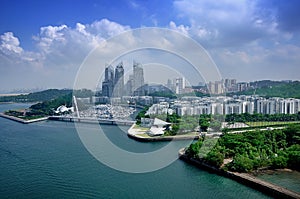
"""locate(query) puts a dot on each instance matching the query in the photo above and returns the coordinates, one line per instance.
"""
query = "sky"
(44, 43)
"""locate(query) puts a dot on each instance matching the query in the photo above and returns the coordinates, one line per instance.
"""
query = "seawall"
(93, 120)
(22, 120)
(133, 133)
(244, 178)
(165, 138)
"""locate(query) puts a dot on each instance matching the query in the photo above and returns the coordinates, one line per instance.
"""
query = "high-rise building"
(230, 85)
(216, 87)
(242, 86)
(108, 83)
(211, 87)
(129, 85)
(179, 85)
(170, 85)
(138, 78)
(119, 81)
(219, 87)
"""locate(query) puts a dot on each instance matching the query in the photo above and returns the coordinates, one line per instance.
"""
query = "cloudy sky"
(43, 43)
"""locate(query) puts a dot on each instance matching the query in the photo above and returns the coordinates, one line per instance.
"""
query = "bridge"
(93, 120)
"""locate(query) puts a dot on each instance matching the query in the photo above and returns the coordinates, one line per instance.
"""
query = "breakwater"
(71, 119)
(244, 178)
(93, 120)
(22, 120)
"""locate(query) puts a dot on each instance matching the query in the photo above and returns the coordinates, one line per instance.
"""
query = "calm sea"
(48, 160)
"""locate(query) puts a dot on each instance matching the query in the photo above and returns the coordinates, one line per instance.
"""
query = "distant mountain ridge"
(45, 95)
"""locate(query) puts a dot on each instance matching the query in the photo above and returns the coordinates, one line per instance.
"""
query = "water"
(287, 179)
(48, 160)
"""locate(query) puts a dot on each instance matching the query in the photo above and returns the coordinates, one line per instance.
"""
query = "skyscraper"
(138, 78)
(129, 85)
(119, 81)
(108, 83)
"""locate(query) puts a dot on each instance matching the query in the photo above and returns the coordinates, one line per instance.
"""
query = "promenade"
(140, 134)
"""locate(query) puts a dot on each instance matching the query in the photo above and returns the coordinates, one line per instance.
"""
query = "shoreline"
(68, 119)
(16, 119)
(134, 134)
(244, 178)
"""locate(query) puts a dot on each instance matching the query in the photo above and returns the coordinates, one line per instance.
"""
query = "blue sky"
(248, 40)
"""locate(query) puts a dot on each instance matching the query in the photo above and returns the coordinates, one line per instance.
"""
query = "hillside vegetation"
(284, 90)
(45, 95)
(253, 150)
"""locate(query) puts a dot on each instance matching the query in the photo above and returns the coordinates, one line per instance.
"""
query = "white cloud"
(181, 28)
(226, 23)
(60, 50)
(50, 34)
(243, 37)
(10, 44)
(105, 28)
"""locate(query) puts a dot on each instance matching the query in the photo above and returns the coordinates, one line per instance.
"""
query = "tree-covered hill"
(45, 95)
(283, 89)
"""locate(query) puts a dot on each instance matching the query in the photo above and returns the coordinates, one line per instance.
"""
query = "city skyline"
(250, 41)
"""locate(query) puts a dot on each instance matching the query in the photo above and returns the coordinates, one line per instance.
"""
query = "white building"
(179, 85)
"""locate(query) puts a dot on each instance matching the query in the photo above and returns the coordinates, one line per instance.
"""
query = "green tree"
(193, 150)
(203, 124)
(279, 162)
(215, 158)
(241, 163)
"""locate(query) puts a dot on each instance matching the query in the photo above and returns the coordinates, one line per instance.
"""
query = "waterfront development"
(150, 99)
(47, 159)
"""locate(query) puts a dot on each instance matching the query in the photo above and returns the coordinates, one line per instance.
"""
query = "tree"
(241, 163)
(215, 125)
(279, 162)
(294, 156)
(292, 133)
(215, 158)
(203, 124)
(193, 150)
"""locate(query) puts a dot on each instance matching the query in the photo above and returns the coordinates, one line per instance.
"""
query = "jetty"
(244, 178)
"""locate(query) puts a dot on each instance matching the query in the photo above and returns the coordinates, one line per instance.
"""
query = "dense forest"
(248, 151)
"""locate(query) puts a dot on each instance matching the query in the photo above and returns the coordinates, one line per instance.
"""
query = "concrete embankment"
(92, 120)
(22, 120)
(244, 178)
(135, 134)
